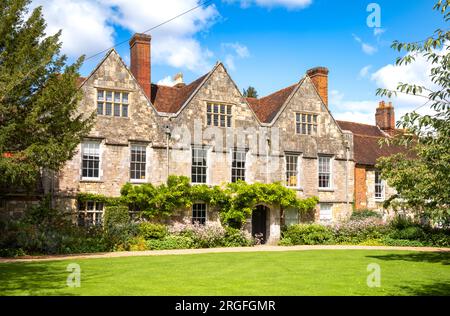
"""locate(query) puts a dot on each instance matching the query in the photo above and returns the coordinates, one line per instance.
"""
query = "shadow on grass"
(431, 289)
(420, 289)
(33, 279)
(432, 257)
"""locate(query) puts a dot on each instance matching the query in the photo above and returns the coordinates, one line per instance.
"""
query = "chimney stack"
(140, 61)
(319, 77)
(178, 80)
(385, 117)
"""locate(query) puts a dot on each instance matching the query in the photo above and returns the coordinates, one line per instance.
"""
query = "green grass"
(317, 272)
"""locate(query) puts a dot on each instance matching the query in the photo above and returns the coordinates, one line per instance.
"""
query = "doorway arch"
(259, 222)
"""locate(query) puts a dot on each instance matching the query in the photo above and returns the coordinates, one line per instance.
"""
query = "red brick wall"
(319, 77)
(360, 188)
(140, 61)
(385, 117)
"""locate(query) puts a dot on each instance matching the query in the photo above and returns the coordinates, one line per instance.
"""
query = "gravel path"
(213, 250)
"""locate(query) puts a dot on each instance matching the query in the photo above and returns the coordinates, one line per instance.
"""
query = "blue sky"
(268, 44)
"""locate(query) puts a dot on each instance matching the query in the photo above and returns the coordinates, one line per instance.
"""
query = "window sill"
(326, 190)
(91, 181)
(295, 188)
(111, 117)
(380, 200)
(138, 181)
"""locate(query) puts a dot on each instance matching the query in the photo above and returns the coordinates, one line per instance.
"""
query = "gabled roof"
(170, 99)
(267, 108)
(80, 81)
(361, 129)
(366, 143)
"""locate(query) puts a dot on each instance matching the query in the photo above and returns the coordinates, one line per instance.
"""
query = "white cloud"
(241, 50)
(366, 48)
(362, 111)
(182, 52)
(238, 51)
(356, 116)
(166, 81)
(229, 62)
(388, 77)
(418, 73)
(364, 72)
(88, 27)
(84, 25)
(290, 4)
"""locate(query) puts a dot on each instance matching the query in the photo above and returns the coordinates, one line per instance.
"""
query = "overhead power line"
(201, 4)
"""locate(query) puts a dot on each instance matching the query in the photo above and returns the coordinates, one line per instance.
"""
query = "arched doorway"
(259, 220)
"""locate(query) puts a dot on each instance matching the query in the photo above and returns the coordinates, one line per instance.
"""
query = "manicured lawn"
(317, 272)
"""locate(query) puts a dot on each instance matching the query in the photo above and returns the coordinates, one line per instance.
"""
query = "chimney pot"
(319, 77)
(178, 80)
(385, 118)
(140, 61)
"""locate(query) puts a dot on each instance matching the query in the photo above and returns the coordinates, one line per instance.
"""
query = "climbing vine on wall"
(235, 201)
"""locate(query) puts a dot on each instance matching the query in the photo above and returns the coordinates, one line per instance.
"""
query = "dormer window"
(219, 115)
(306, 124)
(112, 103)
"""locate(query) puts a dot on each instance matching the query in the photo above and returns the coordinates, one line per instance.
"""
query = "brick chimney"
(385, 117)
(319, 77)
(140, 61)
(178, 80)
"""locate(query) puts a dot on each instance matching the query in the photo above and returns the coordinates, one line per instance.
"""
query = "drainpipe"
(347, 152)
(267, 158)
(168, 133)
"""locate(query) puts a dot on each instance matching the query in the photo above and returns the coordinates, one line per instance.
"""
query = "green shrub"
(115, 216)
(152, 231)
(401, 242)
(118, 227)
(401, 222)
(42, 230)
(138, 244)
(363, 214)
(437, 238)
(170, 242)
(309, 234)
(354, 232)
(410, 233)
(236, 238)
(286, 241)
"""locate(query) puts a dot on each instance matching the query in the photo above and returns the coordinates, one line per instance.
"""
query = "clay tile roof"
(361, 129)
(266, 108)
(367, 148)
(80, 80)
(171, 99)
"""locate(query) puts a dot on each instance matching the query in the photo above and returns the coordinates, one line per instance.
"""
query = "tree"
(423, 183)
(39, 124)
(250, 92)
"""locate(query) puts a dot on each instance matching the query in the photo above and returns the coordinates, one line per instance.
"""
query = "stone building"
(370, 189)
(208, 131)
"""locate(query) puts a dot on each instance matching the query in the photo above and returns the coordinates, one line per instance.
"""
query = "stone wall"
(145, 126)
(372, 203)
(330, 140)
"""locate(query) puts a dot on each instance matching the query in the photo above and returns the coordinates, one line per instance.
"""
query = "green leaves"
(39, 120)
(235, 201)
(422, 180)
